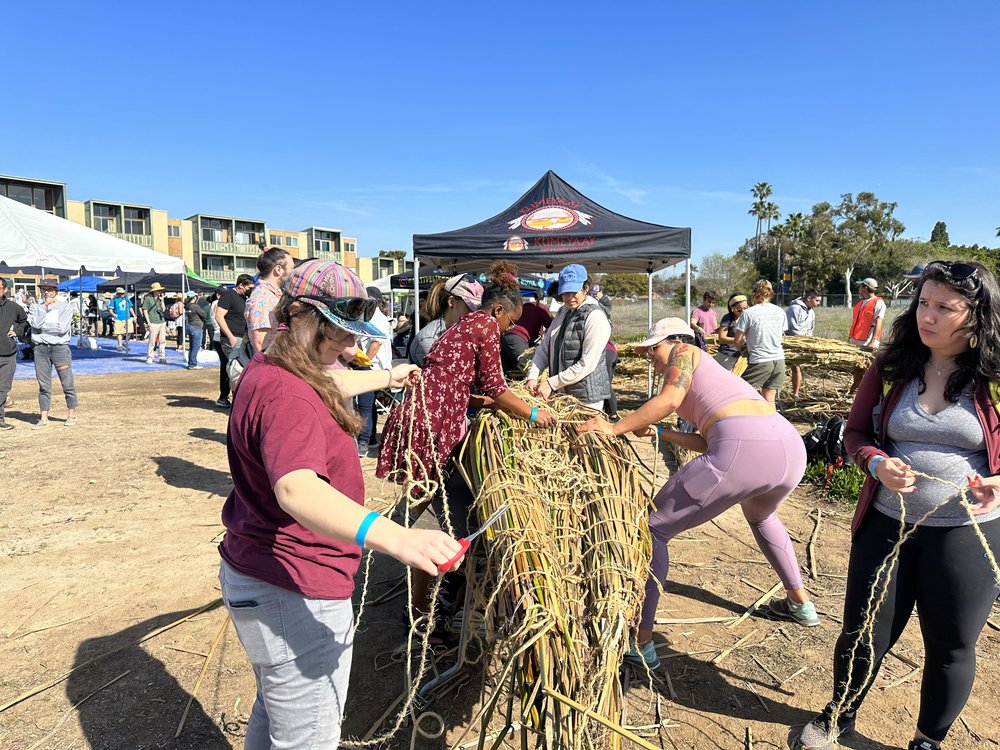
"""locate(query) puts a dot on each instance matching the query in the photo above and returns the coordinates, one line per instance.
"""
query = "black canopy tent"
(551, 226)
(142, 282)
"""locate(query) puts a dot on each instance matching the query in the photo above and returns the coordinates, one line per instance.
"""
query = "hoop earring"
(973, 341)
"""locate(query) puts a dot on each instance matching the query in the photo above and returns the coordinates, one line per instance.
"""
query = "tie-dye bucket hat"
(337, 292)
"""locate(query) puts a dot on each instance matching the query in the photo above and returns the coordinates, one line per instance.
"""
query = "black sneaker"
(224, 403)
(816, 735)
(6, 426)
(922, 745)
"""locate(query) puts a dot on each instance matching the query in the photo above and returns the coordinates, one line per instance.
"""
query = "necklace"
(941, 370)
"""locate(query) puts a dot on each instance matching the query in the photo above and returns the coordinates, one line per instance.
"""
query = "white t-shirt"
(764, 325)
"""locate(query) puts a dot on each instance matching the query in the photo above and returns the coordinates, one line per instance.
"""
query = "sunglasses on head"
(955, 271)
(468, 278)
(347, 308)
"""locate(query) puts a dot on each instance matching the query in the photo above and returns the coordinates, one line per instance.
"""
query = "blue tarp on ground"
(106, 360)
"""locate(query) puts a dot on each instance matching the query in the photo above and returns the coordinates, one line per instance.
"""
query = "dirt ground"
(108, 531)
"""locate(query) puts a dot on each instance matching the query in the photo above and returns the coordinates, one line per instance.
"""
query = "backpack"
(239, 358)
(174, 311)
(825, 442)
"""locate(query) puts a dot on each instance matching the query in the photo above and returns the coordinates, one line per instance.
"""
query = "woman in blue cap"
(572, 349)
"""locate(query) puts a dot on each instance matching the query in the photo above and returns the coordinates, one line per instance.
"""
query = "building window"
(212, 230)
(275, 240)
(292, 241)
(323, 242)
(173, 230)
(105, 218)
(248, 234)
(135, 221)
(213, 263)
(349, 247)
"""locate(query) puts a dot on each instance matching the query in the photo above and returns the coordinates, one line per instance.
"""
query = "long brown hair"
(294, 350)
(436, 303)
(762, 292)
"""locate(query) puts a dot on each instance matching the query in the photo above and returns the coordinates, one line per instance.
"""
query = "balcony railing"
(246, 250)
(145, 240)
(225, 276)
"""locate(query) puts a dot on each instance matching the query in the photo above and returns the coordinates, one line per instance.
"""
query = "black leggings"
(944, 571)
(223, 370)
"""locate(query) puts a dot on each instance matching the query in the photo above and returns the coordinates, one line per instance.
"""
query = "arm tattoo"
(680, 367)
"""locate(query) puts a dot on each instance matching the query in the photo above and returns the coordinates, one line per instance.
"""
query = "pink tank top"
(712, 387)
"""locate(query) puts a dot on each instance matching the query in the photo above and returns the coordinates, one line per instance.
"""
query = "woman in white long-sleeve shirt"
(572, 349)
(50, 321)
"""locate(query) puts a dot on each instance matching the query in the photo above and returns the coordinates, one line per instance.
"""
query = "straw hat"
(156, 286)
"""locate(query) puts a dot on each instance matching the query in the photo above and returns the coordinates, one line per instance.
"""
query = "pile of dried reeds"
(567, 567)
(830, 354)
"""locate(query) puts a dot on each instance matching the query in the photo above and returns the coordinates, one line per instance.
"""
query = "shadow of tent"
(143, 708)
(179, 472)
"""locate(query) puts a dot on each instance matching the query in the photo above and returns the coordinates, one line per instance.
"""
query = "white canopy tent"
(29, 237)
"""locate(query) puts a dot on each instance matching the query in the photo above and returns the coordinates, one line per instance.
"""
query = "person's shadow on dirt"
(179, 472)
(143, 708)
(193, 402)
(701, 688)
(378, 675)
(206, 434)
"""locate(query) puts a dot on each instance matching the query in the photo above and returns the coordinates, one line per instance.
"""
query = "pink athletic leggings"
(753, 461)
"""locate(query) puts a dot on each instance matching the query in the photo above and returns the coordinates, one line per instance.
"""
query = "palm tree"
(761, 191)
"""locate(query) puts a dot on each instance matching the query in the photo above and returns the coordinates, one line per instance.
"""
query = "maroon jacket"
(866, 428)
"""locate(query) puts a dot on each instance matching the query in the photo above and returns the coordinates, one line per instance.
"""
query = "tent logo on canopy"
(551, 219)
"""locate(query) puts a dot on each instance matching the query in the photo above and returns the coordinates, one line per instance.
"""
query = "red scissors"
(467, 541)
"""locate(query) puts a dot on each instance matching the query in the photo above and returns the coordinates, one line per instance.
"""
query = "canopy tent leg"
(687, 290)
(182, 320)
(649, 324)
(416, 297)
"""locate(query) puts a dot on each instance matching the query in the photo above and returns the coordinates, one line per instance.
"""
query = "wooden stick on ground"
(73, 708)
(753, 607)
(793, 675)
(52, 683)
(689, 620)
(67, 622)
(748, 741)
(204, 669)
(902, 679)
(726, 652)
(811, 546)
(33, 613)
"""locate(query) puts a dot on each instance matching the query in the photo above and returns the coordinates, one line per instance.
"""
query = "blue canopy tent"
(81, 284)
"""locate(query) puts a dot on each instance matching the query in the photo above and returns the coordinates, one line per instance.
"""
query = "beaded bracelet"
(366, 523)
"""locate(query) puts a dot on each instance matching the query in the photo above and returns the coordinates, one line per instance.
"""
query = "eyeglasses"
(348, 308)
(955, 271)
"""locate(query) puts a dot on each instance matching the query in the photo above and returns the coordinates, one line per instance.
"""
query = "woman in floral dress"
(466, 356)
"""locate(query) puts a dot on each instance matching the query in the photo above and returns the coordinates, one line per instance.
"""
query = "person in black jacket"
(13, 322)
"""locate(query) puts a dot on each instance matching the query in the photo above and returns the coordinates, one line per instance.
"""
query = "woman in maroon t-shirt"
(295, 519)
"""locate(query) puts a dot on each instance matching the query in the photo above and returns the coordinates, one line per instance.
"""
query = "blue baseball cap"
(572, 278)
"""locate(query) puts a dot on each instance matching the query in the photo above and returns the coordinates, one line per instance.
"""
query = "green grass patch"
(844, 485)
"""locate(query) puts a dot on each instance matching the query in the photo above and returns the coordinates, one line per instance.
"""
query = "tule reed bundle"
(567, 569)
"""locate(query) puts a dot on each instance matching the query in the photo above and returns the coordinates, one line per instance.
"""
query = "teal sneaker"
(803, 614)
(644, 655)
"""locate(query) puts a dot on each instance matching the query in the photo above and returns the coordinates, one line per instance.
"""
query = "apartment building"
(219, 248)
(386, 263)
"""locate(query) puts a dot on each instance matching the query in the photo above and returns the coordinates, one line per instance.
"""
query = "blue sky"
(388, 119)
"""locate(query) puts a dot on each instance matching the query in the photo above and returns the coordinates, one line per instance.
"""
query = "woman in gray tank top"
(924, 412)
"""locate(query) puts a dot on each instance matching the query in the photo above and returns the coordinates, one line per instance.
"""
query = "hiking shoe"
(224, 403)
(41, 424)
(803, 614)
(70, 422)
(644, 655)
(362, 449)
(922, 745)
(4, 426)
(816, 735)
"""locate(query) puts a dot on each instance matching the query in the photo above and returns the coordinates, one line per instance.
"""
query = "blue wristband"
(359, 538)
(873, 463)
(534, 414)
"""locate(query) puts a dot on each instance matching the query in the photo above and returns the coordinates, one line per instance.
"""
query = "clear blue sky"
(386, 119)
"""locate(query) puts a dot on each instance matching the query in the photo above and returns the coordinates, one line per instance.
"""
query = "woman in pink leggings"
(750, 455)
